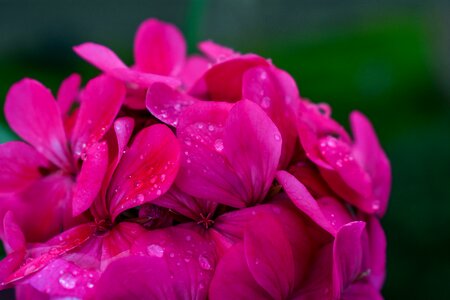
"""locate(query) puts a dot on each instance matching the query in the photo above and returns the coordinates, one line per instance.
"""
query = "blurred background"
(387, 58)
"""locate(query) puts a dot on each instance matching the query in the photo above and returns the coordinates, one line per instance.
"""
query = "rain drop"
(204, 263)
(211, 127)
(376, 205)
(277, 137)
(265, 102)
(158, 192)
(155, 250)
(140, 197)
(218, 145)
(67, 281)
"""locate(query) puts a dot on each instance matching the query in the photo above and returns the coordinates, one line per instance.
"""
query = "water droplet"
(263, 75)
(188, 142)
(137, 183)
(172, 254)
(83, 156)
(163, 177)
(188, 160)
(339, 163)
(158, 192)
(90, 285)
(211, 127)
(277, 137)
(141, 157)
(204, 263)
(140, 198)
(200, 125)
(376, 205)
(265, 102)
(67, 281)
(218, 145)
(177, 106)
(155, 250)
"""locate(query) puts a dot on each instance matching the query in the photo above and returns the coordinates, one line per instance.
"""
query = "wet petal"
(90, 179)
(146, 170)
(20, 165)
(159, 48)
(167, 104)
(215, 51)
(102, 94)
(34, 115)
(13, 237)
(277, 95)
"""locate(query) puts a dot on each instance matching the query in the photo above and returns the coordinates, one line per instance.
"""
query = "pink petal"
(252, 144)
(300, 196)
(233, 273)
(159, 48)
(266, 87)
(221, 161)
(309, 175)
(20, 166)
(347, 253)
(174, 263)
(26, 291)
(223, 81)
(361, 291)
(269, 256)
(9, 264)
(65, 242)
(167, 104)
(338, 155)
(146, 170)
(193, 69)
(215, 51)
(68, 93)
(107, 61)
(371, 156)
(90, 179)
(34, 115)
(376, 252)
(102, 94)
(13, 237)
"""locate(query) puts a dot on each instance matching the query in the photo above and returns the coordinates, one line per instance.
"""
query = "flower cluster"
(188, 177)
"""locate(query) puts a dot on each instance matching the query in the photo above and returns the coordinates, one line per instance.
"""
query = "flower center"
(206, 221)
(103, 226)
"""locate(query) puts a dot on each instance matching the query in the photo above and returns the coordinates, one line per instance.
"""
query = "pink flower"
(358, 171)
(234, 187)
(55, 167)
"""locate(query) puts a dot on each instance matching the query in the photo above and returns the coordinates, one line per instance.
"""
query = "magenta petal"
(361, 291)
(277, 94)
(338, 155)
(167, 104)
(371, 156)
(34, 115)
(173, 263)
(347, 254)
(68, 93)
(215, 51)
(146, 170)
(193, 69)
(252, 144)
(107, 61)
(159, 48)
(376, 252)
(233, 273)
(102, 94)
(13, 237)
(300, 196)
(90, 178)
(60, 245)
(19, 166)
(269, 256)
(223, 81)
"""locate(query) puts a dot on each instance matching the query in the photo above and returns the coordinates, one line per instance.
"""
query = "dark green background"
(389, 59)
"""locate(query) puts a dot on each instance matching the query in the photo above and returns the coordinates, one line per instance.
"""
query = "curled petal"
(223, 81)
(159, 48)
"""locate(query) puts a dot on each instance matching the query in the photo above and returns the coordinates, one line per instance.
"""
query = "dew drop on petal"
(90, 285)
(211, 127)
(204, 263)
(155, 250)
(376, 205)
(67, 281)
(140, 197)
(265, 102)
(158, 192)
(218, 145)
(277, 137)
